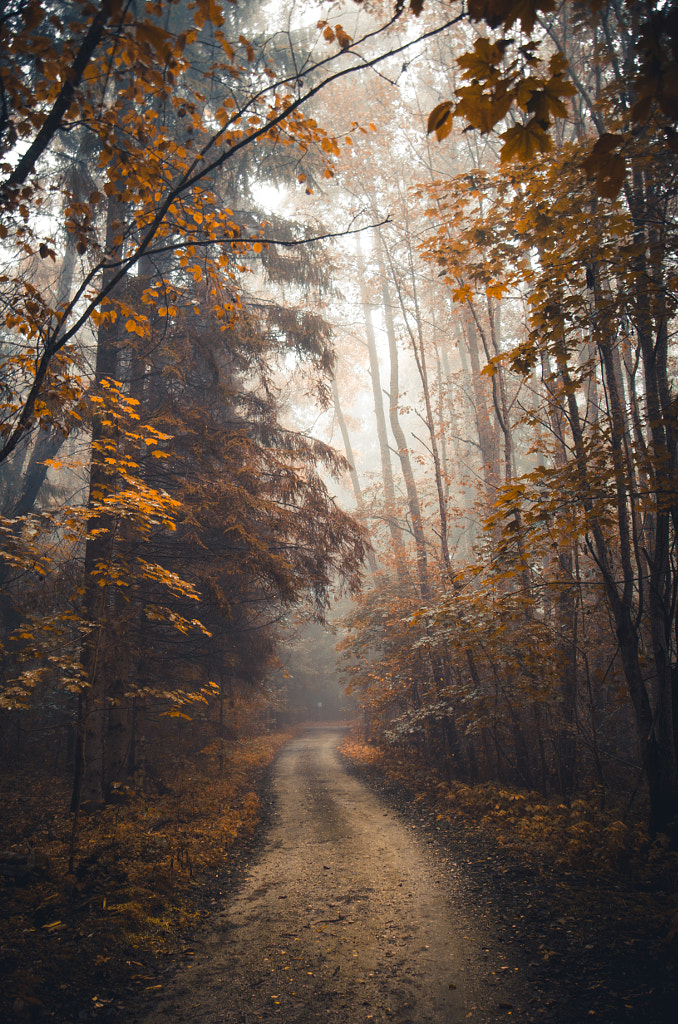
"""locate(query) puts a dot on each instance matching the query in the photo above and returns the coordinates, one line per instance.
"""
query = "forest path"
(345, 916)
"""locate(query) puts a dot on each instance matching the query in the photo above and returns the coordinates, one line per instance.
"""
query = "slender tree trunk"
(119, 722)
(419, 351)
(402, 448)
(565, 610)
(348, 448)
(485, 423)
(380, 417)
(442, 422)
(89, 785)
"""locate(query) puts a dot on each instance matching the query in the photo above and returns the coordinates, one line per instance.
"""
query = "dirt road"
(346, 916)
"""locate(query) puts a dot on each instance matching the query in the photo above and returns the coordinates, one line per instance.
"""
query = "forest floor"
(589, 901)
(379, 903)
(344, 917)
(78, 947)
(171, 894)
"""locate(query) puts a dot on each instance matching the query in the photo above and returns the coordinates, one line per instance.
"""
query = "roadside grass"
(75, 946)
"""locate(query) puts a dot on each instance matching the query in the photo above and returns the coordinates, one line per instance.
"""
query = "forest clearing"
(339, 384)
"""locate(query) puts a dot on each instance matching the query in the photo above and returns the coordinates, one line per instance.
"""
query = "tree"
(526, 80)
(107, 78)
(558, 278)
(152, 231)
(586, 289)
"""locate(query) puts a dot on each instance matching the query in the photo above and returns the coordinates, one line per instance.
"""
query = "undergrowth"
(67, 938)
(575, 837)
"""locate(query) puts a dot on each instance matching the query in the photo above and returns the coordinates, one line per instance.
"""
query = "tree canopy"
(509, 171)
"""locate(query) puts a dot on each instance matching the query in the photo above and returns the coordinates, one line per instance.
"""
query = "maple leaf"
(606, 165)
(524, 142)
(526, 89)
(492, 12)
(547, 102)
(481, 64)
(482, 110)
(507, 12)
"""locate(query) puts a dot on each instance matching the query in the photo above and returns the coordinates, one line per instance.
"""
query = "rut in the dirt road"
(345, 917)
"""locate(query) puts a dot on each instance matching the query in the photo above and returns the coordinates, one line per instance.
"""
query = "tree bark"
(485, 422)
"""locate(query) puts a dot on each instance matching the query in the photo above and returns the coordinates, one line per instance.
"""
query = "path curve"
(345, 917)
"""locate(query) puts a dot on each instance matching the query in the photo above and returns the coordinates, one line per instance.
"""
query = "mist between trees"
(237, 238)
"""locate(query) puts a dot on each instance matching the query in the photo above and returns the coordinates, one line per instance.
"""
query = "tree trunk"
(419, 351)
(382, 433)
(89, 787)
(348, 448)
(485, 423)
(403, 451)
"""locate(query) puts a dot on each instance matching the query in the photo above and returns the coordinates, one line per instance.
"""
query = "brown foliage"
(574, 838)
(68, 940)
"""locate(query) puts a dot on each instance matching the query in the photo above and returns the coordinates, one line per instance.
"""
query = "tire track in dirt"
(345, 916)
